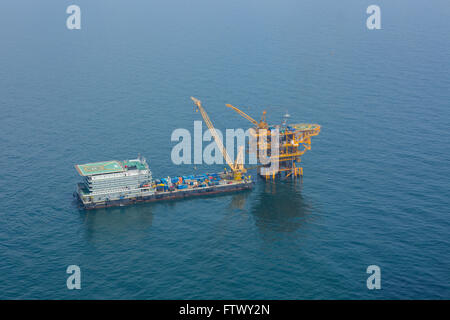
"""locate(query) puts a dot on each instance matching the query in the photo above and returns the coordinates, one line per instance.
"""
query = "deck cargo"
(118, 183)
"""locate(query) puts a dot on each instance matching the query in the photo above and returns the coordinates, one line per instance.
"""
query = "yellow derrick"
(238, 166)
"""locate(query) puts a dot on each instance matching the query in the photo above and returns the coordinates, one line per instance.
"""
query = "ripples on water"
(375, 189)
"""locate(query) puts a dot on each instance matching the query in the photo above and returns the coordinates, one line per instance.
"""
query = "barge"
(118, 183)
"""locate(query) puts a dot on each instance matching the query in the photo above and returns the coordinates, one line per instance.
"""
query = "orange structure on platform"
(293, 141)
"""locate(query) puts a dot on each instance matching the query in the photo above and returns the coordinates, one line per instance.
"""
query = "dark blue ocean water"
(376, 184)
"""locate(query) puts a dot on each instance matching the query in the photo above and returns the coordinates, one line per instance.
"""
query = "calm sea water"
(376, 184)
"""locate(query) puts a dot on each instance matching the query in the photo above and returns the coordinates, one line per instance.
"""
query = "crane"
(237, 167)
(262, 124)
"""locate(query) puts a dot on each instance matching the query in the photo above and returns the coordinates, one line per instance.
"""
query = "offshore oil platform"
(118, 183)
(291, 139)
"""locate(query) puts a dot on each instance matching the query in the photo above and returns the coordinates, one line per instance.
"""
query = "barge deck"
(168, 195)
(119, 183)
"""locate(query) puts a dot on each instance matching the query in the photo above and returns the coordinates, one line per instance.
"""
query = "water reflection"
(280, 207)
(239, 200)
(108, 223)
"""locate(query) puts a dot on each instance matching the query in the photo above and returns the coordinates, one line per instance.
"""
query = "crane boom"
(242, 113)
(261, 124)
(239, 163)
(214, 134)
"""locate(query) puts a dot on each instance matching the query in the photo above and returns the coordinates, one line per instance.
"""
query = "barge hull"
(169, 195)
